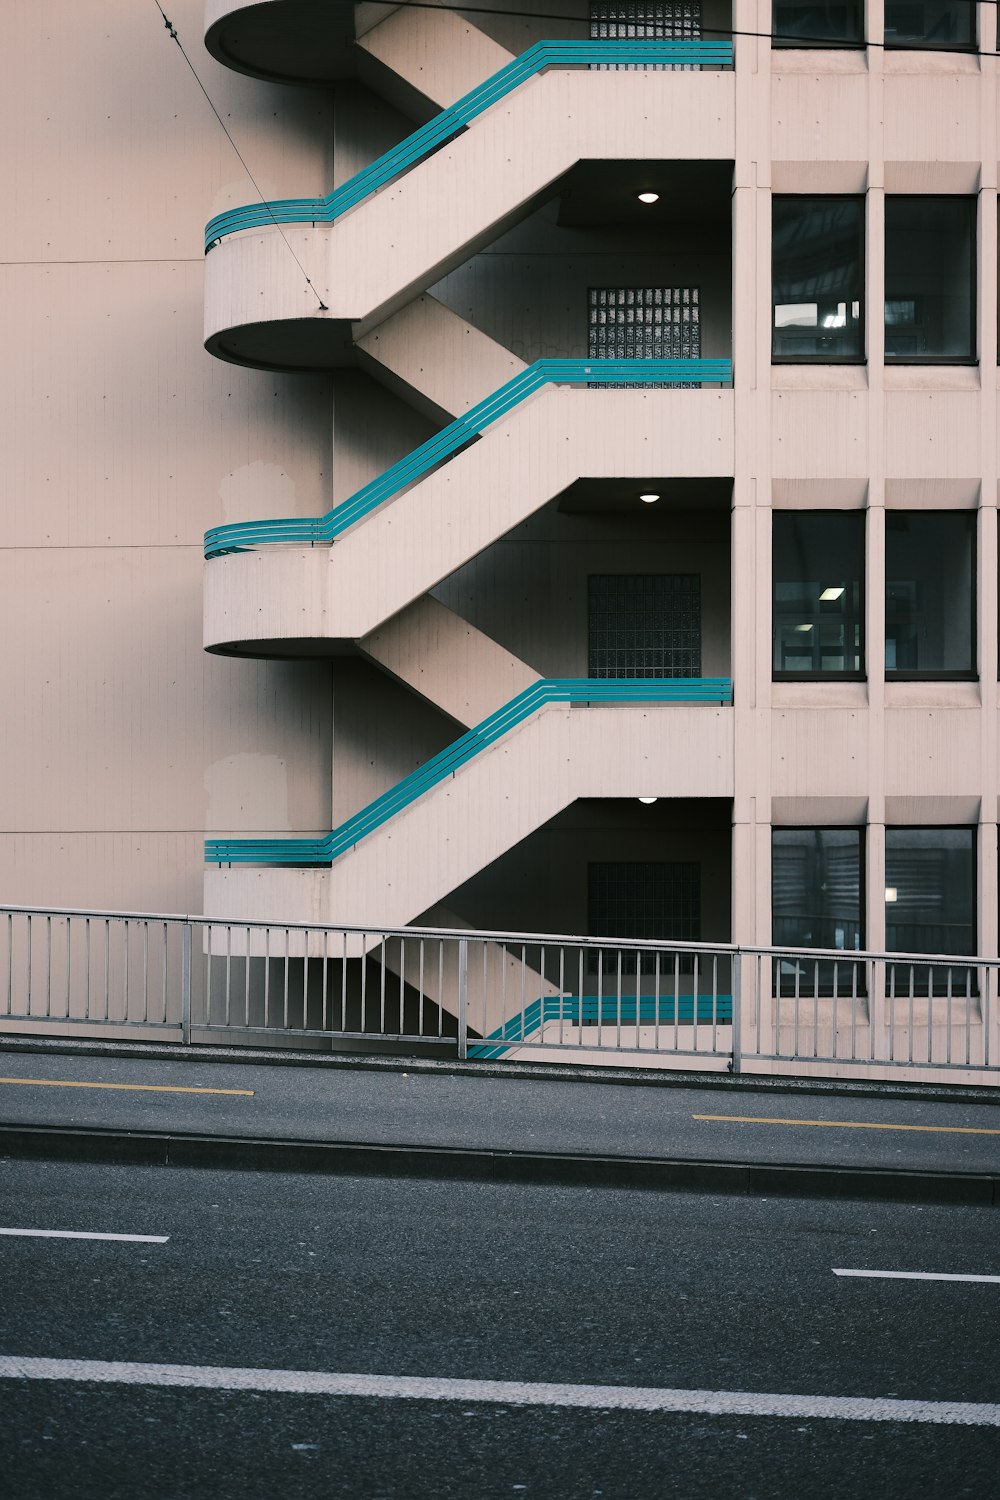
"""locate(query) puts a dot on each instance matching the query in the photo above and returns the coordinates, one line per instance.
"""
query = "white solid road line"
(86, 1234)
(916, 1275)
(503, 1392)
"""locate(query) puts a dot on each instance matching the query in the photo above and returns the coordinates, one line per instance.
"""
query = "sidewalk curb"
(346, 1158)
(771, 1083)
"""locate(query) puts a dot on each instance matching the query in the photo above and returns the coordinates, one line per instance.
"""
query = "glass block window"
(646, 625)
(644, 322)
(651, 900)
(644, 20)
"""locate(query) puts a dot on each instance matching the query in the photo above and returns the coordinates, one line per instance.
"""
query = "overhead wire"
(833, 43)
(172, 29)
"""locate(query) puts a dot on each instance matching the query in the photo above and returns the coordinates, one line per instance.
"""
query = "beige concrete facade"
(331, 672)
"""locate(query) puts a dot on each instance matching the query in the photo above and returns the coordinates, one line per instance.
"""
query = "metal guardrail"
(494, 995)
(568, 690)
(445, 126)
(316, 531)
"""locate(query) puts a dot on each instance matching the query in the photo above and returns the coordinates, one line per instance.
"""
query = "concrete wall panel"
(819, 434)
(819, 752)
(932, 752)
(931, 432)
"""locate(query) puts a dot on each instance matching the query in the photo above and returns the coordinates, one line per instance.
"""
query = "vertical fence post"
(186, 983)
(737, 1012)
(463, 998)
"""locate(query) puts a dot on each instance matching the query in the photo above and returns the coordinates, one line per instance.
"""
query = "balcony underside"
(285, 41)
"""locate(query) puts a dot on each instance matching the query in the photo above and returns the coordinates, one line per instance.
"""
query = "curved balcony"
(273, 586)
(547, 747)
(431, 203)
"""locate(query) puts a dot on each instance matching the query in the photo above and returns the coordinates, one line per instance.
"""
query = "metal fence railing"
(495, 995)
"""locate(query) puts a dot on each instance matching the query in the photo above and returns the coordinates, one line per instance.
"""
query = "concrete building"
(757, 584)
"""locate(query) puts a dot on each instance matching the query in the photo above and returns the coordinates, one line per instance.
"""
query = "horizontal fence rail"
(444, 127)
(573, 691)
(315, 531)
(497, 995)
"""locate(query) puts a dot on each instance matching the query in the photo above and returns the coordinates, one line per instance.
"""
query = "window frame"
(822, 973)
(861, 358)
(913, 45)
(943, 675)
(967, 360)
(861, 675)
(785, 43)
(893, 953)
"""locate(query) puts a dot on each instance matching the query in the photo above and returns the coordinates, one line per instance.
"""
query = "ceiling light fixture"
(832, 592)
(648, 801)
(803, 627)
(649, 499)
(891, 893)
(649, 197)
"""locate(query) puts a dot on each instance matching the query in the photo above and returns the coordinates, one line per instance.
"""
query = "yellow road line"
(849, 1124)
(139, 1088)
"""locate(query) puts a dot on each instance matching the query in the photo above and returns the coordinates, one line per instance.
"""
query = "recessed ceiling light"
(649, 197)
(832, 592)
(803, 627)
(648, 801)
(649, 499)
(891, 893)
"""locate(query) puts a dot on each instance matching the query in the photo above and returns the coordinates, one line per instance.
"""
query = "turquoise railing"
(603, 1010)
(316, 531)
(450, 122)
(569, 690)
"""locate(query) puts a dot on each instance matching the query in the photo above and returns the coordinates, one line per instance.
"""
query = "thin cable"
(834, 43)
(171, 28)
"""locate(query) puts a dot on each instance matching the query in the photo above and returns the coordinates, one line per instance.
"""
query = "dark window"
(644, 626)
(816, 902)
(799, 23)
(930, 23)
(817, 570)
(930, 280)
(930, 905)
(817, 279)
(929, 593)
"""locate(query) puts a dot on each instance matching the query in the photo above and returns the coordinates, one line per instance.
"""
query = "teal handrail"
(316, 531)
(569, 690)
(604, 1010)
(446, 125)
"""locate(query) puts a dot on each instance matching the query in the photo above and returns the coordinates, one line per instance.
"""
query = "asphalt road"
(470, 1281)
(438, 1108)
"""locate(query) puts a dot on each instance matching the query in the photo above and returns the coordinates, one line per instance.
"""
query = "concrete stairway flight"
(436, 360)
(447, 205)
(396, 552)
(448, 661)
(372, 587)
(479, 799)
(423, 60)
